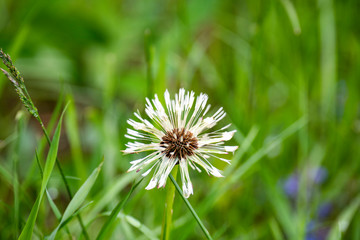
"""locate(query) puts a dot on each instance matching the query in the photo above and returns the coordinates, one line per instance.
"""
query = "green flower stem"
(192, 210)
(168, 211)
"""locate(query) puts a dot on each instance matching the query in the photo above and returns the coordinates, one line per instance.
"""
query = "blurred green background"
(286, 72)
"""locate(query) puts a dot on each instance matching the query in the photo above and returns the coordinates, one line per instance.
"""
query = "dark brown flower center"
(179, 144)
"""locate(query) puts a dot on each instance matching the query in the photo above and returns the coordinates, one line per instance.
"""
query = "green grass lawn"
(286, 73)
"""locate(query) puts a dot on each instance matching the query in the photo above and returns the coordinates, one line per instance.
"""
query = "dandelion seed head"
(179, 144)
(177, 134)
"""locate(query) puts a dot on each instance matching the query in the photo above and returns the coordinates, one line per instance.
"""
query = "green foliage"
(285, 71)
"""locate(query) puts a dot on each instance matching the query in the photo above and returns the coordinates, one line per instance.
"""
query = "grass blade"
(72, 131)
(77, 200)
(104, 197)
(343, 222)
(53, 206)
(51, 202)
(49, 166)
(108, 224)
(293, 17)
(328, 64)
(141, 227)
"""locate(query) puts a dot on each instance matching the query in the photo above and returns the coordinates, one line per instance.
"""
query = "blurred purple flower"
(315, 229)
(324, 210)
(315, 176)
(314, 232)
(291, 185)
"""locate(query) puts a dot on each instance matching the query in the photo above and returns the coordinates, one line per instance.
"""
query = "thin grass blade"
(77, 200)
(343, 222)
(141, 227)
(72, 131)
(51, 202)
(115, 212)
(49, 166)
(293, 17)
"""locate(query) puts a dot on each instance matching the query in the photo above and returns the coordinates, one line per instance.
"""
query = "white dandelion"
(178, 134)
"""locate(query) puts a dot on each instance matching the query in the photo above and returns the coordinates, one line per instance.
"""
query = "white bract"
(178, 134)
